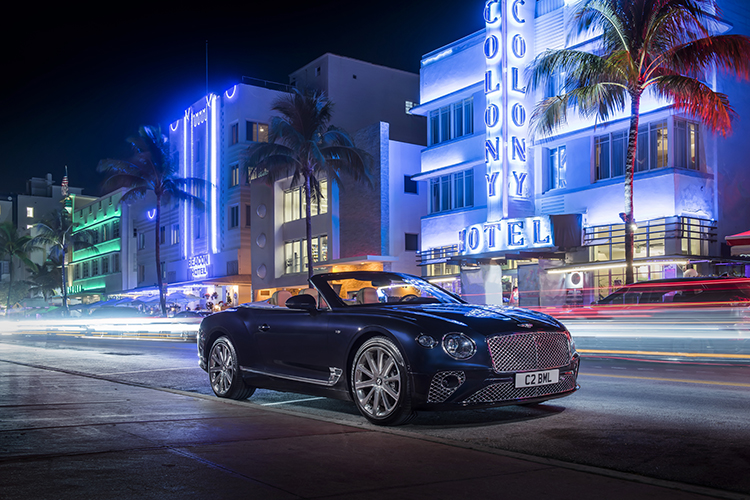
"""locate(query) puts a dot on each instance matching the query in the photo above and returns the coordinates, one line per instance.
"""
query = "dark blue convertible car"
(393, 344)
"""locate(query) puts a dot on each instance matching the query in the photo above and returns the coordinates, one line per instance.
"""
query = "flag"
(64, 190)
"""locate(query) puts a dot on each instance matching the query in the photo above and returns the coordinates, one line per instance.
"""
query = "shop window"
(295, 253)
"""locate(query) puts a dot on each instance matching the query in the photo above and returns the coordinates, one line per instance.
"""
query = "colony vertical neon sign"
(509, 30)
(511, 224)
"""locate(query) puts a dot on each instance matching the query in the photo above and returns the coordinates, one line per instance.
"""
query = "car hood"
(485, 319)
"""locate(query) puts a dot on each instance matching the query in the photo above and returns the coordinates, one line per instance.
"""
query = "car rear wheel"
(224, 371)
(380, 384)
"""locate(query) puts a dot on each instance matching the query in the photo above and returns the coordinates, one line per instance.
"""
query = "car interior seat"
(279, 297)
(367, 295)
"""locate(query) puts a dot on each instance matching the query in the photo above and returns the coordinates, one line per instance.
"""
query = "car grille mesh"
(438, 392)
(506, 391)
(529, 351)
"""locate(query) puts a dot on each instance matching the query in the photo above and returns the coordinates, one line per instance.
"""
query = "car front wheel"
(380, 384)
(224, 371)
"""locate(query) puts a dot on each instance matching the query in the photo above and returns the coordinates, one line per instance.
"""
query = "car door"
(294, 345)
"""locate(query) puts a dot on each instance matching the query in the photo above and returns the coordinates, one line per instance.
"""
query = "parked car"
(393, 344)
(677, 292)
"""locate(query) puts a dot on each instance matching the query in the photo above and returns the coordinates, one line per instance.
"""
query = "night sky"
(77, 82)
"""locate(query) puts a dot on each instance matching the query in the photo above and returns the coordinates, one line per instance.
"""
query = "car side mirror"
(303, 302)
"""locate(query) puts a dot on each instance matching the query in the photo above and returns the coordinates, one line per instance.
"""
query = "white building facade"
(544, 216)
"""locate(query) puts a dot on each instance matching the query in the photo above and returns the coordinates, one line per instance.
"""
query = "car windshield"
(368, 288)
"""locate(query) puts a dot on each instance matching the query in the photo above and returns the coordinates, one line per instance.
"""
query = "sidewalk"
(70, 436)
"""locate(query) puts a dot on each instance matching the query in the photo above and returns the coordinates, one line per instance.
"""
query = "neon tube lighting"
(214, 172)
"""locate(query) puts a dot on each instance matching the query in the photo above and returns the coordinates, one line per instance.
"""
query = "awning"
(738, 239)
(739, 243)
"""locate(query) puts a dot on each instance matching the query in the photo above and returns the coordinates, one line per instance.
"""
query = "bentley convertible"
(393, 344)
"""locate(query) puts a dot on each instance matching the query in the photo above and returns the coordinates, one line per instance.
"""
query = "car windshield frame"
(347, 289)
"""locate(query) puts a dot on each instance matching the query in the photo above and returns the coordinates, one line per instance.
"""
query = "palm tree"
(57, 232)
(661, 46)
(15, 246)
(302, 145)
(150, 168)
(47, 278)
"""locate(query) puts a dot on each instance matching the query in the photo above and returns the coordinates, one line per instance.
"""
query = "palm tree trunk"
(10, 283)
(160, 281)
(629, 171)
(308, 225)
(64, 283)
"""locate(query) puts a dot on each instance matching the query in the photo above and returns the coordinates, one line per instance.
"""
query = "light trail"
(659, 379)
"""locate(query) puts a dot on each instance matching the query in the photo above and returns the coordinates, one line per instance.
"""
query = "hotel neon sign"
(511, 225)
(509, 29)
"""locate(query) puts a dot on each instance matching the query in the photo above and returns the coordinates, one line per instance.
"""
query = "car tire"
(224, 371)
(381, 388)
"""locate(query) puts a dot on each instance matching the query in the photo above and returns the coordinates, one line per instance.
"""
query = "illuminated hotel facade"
(247, 240)
(544, 216)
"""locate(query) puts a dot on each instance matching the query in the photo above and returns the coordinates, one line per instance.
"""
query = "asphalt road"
(685, 422)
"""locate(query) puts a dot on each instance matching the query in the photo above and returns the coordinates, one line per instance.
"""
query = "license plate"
(532, 379)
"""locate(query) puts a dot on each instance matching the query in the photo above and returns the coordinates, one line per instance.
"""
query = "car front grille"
(529, 351)
(506, 391)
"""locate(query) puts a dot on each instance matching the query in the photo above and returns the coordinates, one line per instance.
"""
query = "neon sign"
(509, 28)
(506, 235)
(198, 266)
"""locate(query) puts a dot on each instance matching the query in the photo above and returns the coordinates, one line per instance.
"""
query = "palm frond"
(698, 100)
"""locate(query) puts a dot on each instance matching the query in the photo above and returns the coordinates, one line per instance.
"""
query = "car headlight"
(458, 345)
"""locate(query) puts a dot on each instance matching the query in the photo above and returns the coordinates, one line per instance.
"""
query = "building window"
(411, 242)
(558, 164)
(256, 132)
(163, 235)
(84, 269)
(29, 211)
(95, 267)
(76, 271)
(295, 253)
(105, 265)
(234, 180)
(175, 235)
(317, 71)
(410, 185)
(197, 227)
(116, 228)
(610, 150)
(116, 263)
(234, 216)
(197, 151)
(234, 134)
(451, 192)
(686, 145)
(294, 203)
(141, 241)
(141, 273)
(248, 215)
(451, 122)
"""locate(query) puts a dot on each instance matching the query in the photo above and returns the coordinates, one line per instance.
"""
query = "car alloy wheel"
(223, 371)
(380, 383)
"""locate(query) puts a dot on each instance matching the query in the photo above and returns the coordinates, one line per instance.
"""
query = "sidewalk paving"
(65, 435)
